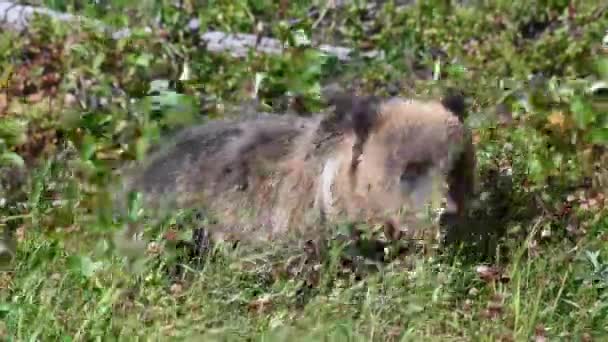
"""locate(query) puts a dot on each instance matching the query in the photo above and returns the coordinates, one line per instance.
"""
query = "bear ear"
(454, 101)
(354, 113)
(357, 115)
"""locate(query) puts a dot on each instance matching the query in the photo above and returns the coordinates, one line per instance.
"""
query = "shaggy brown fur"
(269, 175)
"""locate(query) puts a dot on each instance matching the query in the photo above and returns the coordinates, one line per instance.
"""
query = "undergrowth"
(75, 105)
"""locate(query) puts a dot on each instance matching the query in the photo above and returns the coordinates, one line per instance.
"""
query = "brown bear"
(267, 176)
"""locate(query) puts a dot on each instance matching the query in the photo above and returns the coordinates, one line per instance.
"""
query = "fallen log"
(18, 17)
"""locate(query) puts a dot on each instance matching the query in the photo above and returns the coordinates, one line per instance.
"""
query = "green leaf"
(83, 265)
(593, 258)
(135, 205)
(98, 60)
(6, 75)
(602, 68)
(186, 73)
(88, 147)
(598, 136)
(536, 169)
(582, 112)
(80, 50)
(144, 60)
(300, 38)
(139, 33)
(141, 147)
(159, 86)
(436, 70)
(11, 159)
(13, 131)
(178, 109)
(5, 308)
(456, 70)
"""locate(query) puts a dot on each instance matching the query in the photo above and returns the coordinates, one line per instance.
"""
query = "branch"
(18, 17)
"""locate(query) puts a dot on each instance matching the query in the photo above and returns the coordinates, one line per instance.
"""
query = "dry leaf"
(505, 116)
(171, 235)
(539, 334)
(571, 11)
(283, 7)
(314, 277)
(260, 305)
(6, 279)
(497, 298)
(492, 312)
(52, 78)
(533, 248)
(20, 234)
(394, 332)
(35, 97)
(476, 138)
(176, 289)
(391, 232)
(506, 338)
(3, 330)
(154, 248)
(546, 232)
(557, 119)
(495, 308)
(488, 273)
(3, 102)
(70, 100)
(573, 229)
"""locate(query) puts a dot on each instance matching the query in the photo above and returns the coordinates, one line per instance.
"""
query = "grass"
(77, 105)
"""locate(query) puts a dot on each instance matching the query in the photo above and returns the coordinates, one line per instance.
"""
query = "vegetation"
(76, 104)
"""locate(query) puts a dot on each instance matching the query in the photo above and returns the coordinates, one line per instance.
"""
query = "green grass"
(549, 278)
